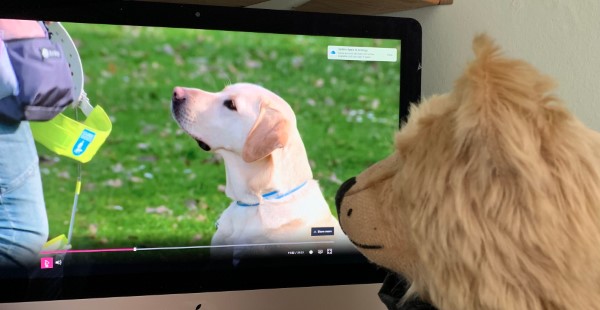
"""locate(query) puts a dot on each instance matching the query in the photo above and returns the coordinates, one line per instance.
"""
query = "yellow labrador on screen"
(269, 179)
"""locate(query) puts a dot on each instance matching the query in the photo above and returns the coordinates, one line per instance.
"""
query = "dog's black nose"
(344, 188)
(178, 96)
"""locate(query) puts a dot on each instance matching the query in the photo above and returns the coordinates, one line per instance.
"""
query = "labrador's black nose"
(178, 96)
(344, 188)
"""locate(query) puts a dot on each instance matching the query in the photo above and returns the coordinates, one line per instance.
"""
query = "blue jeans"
(23, 219)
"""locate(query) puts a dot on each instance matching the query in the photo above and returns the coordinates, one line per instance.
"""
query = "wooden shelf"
(235, 3)
(361, 7)
(366, 7)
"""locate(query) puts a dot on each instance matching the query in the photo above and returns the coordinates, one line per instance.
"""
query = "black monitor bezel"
(218, 18)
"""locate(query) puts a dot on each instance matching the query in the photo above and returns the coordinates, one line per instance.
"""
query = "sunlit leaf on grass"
(114, 183)
(64, 175)
(148, 128)
(135, 54)
(368, 80)
(133, 31)
(105, 74)
(143, 146)
(375, 104)
(203, 205)
(135, 179)
(92, 230)
(166, 132)
(148, 158)
(163, 210)
(297, 61)
(179, 60)
(117, 168)
(168, 49)
(232, 69)
(116, 208)
(253, 64)
(191, 205)
(319, 83)
(89, 186)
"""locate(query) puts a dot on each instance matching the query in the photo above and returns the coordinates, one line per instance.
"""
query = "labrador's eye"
(230, 104)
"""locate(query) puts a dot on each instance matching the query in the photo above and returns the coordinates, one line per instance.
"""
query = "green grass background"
(150, 184)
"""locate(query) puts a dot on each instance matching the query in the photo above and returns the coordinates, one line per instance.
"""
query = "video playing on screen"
(228, 144)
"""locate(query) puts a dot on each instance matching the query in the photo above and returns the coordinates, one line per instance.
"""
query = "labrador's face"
(243, 118)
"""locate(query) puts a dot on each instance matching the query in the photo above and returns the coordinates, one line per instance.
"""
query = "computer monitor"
(178, 209)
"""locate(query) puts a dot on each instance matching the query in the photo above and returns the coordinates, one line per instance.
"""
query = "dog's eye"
(230, 104)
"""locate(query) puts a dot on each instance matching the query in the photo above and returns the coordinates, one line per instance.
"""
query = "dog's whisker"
(228, 81)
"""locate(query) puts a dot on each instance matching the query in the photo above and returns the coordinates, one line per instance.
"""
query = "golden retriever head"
(243, 118)
(255, 132)
(491, 199)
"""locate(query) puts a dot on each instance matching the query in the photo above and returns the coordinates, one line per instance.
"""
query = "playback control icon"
(47, 262)
(50, 263)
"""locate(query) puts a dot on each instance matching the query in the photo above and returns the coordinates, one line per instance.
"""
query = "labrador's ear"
(270, 132)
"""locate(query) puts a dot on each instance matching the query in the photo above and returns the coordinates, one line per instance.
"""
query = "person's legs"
(23, 219)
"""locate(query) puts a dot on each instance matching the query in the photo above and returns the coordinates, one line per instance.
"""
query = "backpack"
(44, 85)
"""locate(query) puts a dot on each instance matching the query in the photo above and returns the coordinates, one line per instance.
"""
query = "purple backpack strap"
(8, 80)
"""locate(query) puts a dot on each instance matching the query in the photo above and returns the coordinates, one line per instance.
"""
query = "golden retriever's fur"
(492, 198)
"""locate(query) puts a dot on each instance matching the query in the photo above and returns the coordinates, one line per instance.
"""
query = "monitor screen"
(230, 132)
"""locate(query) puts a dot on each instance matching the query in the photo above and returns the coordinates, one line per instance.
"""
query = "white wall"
(560, 37)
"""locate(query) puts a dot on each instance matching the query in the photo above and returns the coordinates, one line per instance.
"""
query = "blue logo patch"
(83, 142)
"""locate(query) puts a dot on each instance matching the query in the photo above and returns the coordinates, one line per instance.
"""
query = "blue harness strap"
(272, 196)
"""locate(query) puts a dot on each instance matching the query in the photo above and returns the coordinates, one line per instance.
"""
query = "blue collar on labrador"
(272, 196)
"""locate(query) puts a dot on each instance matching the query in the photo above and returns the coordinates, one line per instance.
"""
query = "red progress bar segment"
(88, 251)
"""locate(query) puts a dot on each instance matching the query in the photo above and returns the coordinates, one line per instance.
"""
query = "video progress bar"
(137, 249)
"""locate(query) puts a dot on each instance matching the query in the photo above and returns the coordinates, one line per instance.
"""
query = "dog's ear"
(270, 132)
